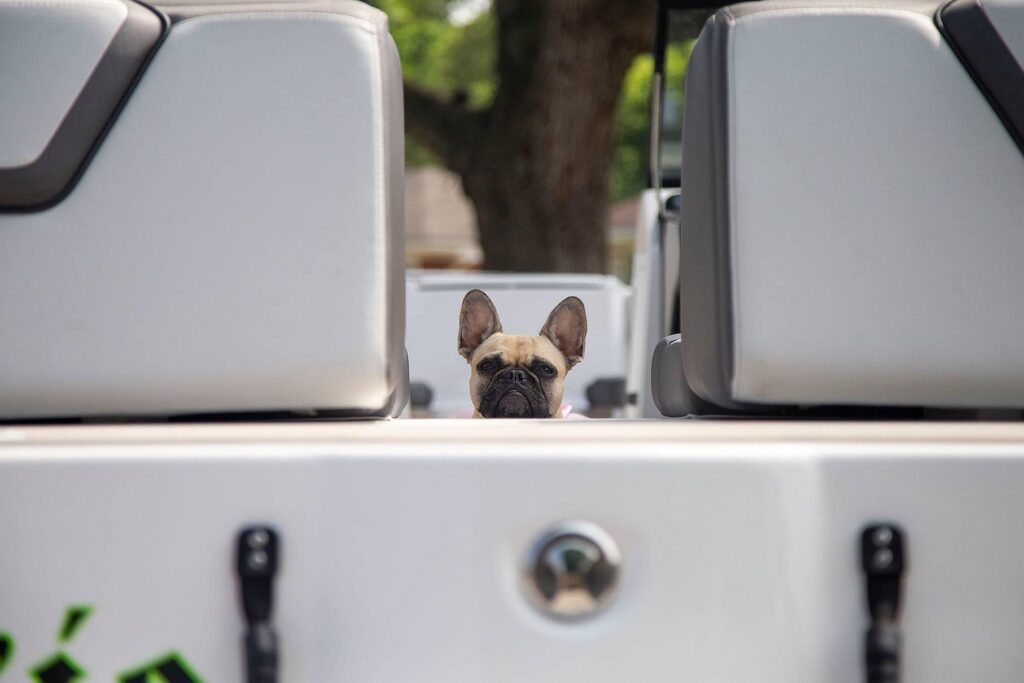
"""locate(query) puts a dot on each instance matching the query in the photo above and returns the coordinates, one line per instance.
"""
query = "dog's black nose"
(518, 376)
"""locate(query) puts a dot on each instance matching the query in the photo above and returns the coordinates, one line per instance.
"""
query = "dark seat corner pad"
(994, 67)
(50, 176)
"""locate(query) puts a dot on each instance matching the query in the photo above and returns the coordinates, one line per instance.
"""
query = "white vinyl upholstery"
(48, 48)
(402, 549)
(874, 205)
(235, 245)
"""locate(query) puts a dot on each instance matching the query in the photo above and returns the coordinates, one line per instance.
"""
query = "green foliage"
(449, 59)
(459, 61)
(440, 55)
(632, 122)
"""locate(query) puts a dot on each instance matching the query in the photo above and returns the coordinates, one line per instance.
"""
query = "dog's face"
(518, 375)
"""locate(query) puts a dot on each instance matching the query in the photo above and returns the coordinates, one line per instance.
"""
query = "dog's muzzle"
(514, 404)
(514, 392)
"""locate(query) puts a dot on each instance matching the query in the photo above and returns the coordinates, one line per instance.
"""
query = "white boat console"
(200, 219)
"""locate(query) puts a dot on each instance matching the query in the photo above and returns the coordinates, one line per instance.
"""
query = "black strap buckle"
(884, 562)
(257, 566)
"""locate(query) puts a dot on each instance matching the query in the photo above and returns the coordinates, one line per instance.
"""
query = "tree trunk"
(536, 165)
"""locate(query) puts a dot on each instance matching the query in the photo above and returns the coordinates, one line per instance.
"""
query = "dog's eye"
(545, 370)
(486, 366)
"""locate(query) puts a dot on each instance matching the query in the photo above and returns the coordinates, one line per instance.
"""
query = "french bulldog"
(519, 375)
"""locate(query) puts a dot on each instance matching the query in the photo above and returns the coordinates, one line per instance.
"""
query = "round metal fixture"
(882, 536)
(882, 559)
(572, 571)
(257, 539)
(257, 559)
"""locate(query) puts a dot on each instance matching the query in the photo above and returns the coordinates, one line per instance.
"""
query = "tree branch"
(450, 130)
(631, 22)
(687, 24)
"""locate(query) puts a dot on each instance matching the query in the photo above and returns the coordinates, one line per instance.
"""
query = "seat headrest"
(231, 237)
(851, 214)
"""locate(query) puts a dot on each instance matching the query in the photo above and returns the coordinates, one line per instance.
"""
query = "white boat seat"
(852, 202)
(223, 235)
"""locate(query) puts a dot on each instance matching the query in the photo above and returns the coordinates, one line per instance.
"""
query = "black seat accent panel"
(969, 30)
(52, 175)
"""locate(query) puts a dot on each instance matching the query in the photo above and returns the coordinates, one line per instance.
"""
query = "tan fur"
(520, 349)
(520, 380)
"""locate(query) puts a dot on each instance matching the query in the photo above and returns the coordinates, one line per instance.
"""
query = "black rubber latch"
(883, 559)
(257, 563)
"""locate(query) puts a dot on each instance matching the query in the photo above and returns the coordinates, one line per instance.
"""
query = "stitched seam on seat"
(828, 11)
(730, 189)
(380, 209)
(324, 17)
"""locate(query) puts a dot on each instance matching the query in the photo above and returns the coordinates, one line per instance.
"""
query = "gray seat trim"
(706, 299)
(669, 389)
(52, 175)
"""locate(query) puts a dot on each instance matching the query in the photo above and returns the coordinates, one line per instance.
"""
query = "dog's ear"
(478, 320)
(567, 329)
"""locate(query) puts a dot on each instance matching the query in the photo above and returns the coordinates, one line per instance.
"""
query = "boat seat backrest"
(852, 202)
(200, 209)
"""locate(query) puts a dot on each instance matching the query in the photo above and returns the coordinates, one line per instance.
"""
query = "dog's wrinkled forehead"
(521, 349)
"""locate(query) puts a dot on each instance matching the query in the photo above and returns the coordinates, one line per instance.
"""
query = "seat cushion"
(851, 211)
(235, 244)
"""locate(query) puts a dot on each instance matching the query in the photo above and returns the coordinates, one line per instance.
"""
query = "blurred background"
(526, 129)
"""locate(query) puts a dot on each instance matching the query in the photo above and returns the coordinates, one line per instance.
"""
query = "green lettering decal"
(57, 669)
(171, 668)
(6, 650)
(74, 617)
(60, 668)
